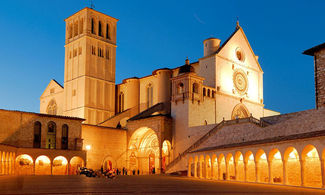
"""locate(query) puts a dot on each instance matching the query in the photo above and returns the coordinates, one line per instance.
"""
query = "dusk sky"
(158, 34)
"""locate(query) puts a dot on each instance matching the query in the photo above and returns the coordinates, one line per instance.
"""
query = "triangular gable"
(239, 39)
(52, 85)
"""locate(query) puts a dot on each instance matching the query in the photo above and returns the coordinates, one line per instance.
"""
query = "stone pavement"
(157, 184)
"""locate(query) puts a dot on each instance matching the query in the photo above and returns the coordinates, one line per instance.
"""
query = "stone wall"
(105, 144)
(17, 128)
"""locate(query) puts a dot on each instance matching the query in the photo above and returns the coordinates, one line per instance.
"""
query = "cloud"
(198, 19)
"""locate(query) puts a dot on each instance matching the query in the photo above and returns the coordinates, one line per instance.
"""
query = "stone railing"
(213, 131)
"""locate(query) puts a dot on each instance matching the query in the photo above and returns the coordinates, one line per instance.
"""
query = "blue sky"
(156, 34)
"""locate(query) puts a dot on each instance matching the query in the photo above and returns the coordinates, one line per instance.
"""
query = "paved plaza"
(156, 184)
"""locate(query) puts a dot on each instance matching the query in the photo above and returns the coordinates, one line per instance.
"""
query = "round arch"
(239, 111)
(240, 166)
(262, 166)
(60, 166)
(214, 165)
(75, 163)
(250, 166)
(166, 154)
(42, 165)
(207, 167)
(230, 167)
(276, 166)
(144, 151)
(201, 166)
(311, 167)
(222, 167)
(292, 168)
(24, 165)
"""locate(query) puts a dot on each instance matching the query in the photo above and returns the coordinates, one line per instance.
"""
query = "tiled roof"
(268, 140)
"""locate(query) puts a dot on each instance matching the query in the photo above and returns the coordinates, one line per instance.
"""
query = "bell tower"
(89, 74)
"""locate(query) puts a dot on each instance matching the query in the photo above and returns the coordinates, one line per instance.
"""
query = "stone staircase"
(213, 131)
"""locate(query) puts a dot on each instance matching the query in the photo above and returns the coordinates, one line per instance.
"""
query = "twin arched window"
(100, 29)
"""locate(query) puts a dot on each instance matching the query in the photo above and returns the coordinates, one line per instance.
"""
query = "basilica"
(205, 119)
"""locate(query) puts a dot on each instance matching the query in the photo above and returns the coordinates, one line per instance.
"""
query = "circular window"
(240, 81)
(240, 54)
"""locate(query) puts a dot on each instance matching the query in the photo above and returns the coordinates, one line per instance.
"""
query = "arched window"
(81, 25)
(51, 135)
(37, 134)
(65, 137)
(52, 108)
(195, 88)
(70, 31)
(93, 26)
(121, 102)
(108, 36)
(208, 93)
(149, 96)
(180, 88)
(100, 33)
(204, 92)
(75, 29)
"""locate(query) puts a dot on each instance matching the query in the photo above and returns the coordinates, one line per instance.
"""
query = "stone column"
(245, 171)
(227, 171)
(284, 164)
(212, 170)
(256, 172)
(195, 169)
(218, 177)
(302, 163)
(323, 172)
(34, 165)
(270, 171)
(236, 171)
(201, 171)
(189, 169)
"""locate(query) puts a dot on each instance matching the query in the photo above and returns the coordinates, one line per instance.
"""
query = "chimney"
(319, 65)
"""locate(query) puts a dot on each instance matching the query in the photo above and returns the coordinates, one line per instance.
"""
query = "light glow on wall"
(312, 153)
(88, 147)
(263, 156)
(277, 156)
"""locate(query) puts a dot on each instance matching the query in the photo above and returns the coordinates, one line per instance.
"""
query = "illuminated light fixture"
(88, 147)
(263, 156)
(241, 157)
(277, 156)
(251, 157)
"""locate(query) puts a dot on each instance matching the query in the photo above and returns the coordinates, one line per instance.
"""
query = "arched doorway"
(166, 147)
(190, 167)
(43, 165)
(75, 163)
(60, 166)
(152, 168)
(144, 151)
(24, 165)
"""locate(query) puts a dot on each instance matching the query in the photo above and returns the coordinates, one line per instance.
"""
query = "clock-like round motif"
(240, 81)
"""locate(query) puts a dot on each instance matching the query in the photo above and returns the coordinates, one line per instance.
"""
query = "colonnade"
(24, 164)
(284, 165)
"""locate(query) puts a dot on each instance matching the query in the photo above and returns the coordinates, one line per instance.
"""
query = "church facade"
(205, 117)
(159, 115)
